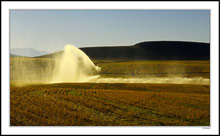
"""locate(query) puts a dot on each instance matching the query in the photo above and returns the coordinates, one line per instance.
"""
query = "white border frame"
(214, 40)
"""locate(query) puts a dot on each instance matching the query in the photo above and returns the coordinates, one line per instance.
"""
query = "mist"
(170, 80)
(74, 66)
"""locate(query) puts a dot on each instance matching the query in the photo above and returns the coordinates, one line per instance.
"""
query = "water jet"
(74, 66)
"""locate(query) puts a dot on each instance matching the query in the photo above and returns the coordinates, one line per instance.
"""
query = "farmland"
(41, 68)
(90, 104)
(110, 104)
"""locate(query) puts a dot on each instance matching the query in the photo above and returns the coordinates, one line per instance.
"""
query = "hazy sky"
(50, 30)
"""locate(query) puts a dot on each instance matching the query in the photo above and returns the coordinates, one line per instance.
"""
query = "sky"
(51, 30)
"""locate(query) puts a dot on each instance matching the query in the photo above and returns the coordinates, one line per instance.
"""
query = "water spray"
(75, 66)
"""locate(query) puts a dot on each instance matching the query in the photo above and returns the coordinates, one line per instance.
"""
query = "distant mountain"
(155, 50)
(27, 52)
(12, 55)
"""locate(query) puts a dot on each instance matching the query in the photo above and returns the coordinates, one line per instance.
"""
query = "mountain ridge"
(27, 52)
(153, 50)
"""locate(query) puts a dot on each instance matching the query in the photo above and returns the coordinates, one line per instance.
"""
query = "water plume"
(74, 66)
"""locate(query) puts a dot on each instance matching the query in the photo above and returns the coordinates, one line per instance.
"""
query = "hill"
(12, 55)
(27, 52)
(155, 50)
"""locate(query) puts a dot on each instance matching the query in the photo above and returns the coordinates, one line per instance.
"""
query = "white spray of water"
(74, 66)
(169, 80)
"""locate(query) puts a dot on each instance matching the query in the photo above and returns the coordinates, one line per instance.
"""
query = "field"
(110, 104)
(113, 104)
(38, 68)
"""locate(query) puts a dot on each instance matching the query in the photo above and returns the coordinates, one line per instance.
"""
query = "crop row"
(66, 106)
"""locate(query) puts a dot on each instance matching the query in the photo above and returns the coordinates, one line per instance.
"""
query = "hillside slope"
(156, 50)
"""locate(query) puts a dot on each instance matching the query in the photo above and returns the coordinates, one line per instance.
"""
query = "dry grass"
(154, 68)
